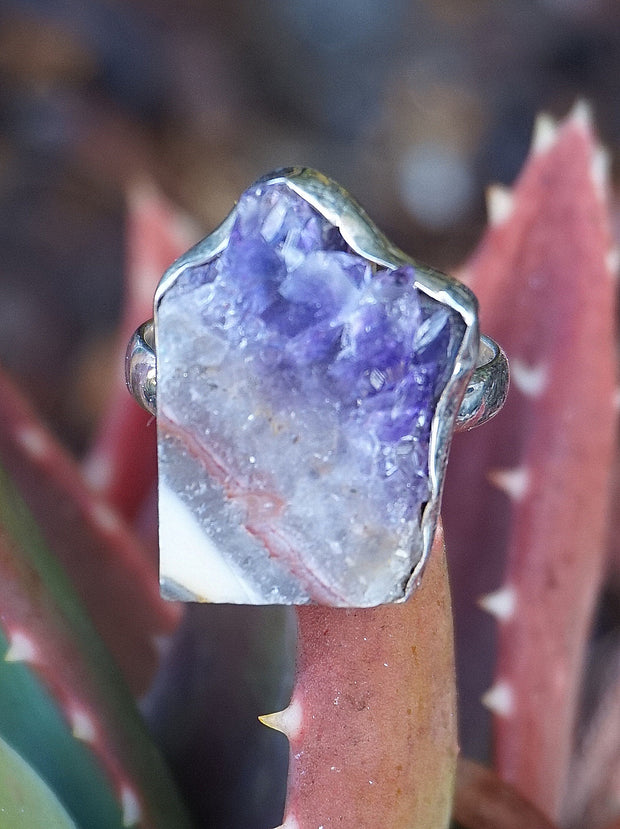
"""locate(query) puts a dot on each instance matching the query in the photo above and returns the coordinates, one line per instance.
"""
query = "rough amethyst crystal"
(297, 385)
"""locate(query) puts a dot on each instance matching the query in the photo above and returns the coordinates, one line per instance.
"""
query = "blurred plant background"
(415, 107)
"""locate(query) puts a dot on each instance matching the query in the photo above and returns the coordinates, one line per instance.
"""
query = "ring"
(307, 377)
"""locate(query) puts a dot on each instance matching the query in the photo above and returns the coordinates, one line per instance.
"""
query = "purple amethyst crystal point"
(298, 384)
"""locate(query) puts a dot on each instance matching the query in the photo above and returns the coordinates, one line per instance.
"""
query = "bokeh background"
(414, 106)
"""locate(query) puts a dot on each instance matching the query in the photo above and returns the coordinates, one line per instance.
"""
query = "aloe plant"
(371, 720)
(539, 478)
(26, 799)
(66, 710)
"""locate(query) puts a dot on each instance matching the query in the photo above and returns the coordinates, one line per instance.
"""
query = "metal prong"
(141, 367)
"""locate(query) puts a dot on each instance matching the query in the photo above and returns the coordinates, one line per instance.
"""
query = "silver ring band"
(487, 389)
(141, 367)
(484, 396)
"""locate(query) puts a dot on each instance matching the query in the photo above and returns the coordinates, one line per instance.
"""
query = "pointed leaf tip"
(612, 261)
(21, 648)
(500, 204)
(288, 721)
(515, 483)
(531, 380)
(290, 822)
(499, 699)
(545, 133)
(132, 813)
(581, 114)
(500, 604)
(82, 725)
(600, 167)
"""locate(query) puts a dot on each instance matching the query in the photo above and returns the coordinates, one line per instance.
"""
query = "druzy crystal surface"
(297, 385)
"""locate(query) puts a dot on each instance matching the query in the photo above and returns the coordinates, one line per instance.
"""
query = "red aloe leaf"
(483, 801)
(122, 461)
(105, 561)
(542, 275)
(371, 723)
(48, 631)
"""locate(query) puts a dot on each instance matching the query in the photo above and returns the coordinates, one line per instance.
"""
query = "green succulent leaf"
(25, 799)
(32, 723)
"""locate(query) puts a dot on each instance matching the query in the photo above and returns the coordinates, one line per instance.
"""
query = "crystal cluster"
(297, 383)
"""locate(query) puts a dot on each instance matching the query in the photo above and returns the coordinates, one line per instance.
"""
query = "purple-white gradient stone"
(297, 383)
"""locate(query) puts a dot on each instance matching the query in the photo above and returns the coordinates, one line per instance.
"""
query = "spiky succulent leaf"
(372, 720)
(32, 722)
(65, 705)
(543, 275)
(105, 561)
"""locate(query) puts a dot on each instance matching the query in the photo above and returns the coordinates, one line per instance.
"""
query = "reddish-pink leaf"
(542, 275)
(47, 631)
(106, 563)
(371, 723)
(122, 461)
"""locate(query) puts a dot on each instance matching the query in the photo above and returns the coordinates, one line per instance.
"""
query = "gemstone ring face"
(308, 380)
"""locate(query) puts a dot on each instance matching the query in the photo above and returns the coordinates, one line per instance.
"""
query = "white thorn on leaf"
(530, 380)
(105, 518)
(21, 648)
(514, 482)
(499, 699)
(545, 133)
(82, 725)
(98, 472)
(500, 204)
(501, 603)
(290, 822)
(34, 441)
(599, 171)
(130, 806)
(287, 721)
(612, 261)
(581, 114)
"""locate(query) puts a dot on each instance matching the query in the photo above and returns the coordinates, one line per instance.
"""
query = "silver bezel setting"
(364, 238)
